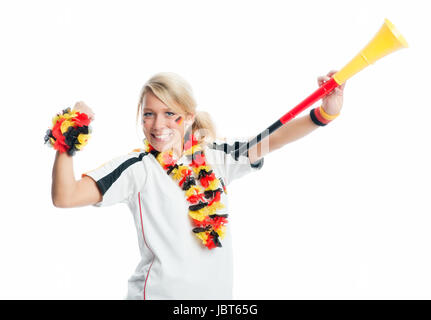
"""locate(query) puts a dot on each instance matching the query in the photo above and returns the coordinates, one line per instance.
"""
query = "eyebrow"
(164, 108)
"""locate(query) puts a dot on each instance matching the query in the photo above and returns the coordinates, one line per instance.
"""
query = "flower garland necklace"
(204, 199)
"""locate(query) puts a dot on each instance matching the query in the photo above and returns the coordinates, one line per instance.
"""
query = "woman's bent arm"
(66, 192)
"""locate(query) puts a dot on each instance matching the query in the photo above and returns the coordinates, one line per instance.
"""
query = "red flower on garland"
(205, 181)
(60, 140)
(185, 173)
(198, 160)
(215, 199)
(168, 160)
(190, 143)
(210, 242)
(196, 198)
(81, 119)
(200, 224)
(215, 222)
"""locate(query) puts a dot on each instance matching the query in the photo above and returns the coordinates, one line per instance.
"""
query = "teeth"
(163, 136)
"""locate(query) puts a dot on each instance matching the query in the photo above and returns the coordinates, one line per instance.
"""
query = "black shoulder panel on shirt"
(106, 182)
(232, 149)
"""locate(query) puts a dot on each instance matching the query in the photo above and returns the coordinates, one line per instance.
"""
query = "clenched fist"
(333, 102)
(82, 107)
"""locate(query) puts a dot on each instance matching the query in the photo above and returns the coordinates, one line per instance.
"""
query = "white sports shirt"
(174, 263)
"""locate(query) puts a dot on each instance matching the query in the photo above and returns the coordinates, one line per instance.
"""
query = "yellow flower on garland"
(200, 214)
(193, 190)
(65, 125)
(221, 232)
(203, 236)
(55, 119)
(82, 139)
(213, 185)
(198, 169)
(206, 211)
(178, 173)
(214, 207)
(67, 116)
(193, 150)
(165, 158)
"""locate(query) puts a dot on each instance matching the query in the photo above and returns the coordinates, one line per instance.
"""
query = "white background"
(344, 213)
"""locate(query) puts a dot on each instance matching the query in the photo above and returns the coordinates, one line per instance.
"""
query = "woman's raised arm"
(298, 128)
(66, 192)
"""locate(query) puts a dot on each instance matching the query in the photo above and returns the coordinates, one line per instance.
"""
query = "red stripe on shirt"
(143, 234)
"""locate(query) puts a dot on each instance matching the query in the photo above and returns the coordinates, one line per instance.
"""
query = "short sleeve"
(231, 158)
(119, 178)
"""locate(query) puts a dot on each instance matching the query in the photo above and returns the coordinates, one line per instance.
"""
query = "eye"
(170, 114)
(148, 114)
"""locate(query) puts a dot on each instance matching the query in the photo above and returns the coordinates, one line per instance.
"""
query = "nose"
(159, 122)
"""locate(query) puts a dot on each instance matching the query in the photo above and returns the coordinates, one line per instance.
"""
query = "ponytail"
(203, 127)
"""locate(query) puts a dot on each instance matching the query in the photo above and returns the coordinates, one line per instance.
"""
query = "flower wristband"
(70, 131)
(320, 117)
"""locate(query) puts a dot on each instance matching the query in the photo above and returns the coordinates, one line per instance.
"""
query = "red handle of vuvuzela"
(321, 92)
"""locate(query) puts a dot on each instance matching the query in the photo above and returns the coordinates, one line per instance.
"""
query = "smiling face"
(164, 127)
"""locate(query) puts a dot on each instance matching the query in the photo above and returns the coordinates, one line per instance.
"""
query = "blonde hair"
(177, 94)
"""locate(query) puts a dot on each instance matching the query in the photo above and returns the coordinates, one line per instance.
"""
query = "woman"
(176, 188)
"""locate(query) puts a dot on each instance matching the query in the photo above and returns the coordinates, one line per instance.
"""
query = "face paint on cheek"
(179, 120)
